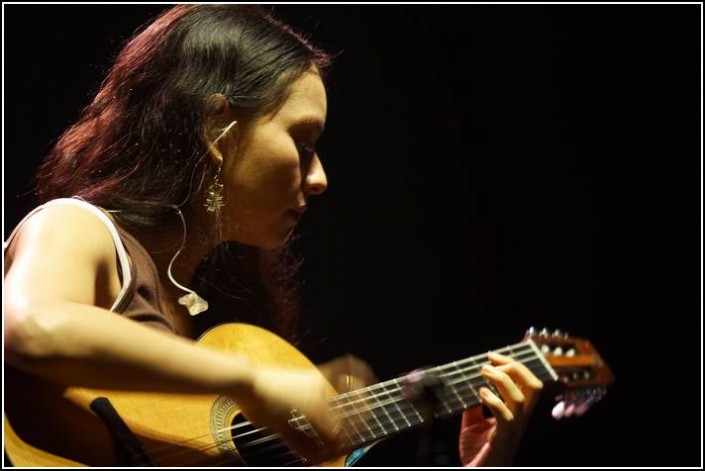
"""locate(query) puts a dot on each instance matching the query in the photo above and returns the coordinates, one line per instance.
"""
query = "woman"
(203, 133)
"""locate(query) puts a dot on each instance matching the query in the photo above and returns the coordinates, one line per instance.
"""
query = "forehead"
(306, 103)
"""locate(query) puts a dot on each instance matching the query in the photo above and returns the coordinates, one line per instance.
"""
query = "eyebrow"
(311, 121)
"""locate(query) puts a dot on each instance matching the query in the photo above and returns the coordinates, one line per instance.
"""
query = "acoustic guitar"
(47, 424)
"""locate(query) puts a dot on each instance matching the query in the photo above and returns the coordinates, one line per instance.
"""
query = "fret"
(409, 406)
(444, 408)
(395, 402)
(383, 406)
(532, 358)
(477, 380)
(351, 416)
(513, 354)
(383, 409)
(441, 393)
(520, 352)
(458, 383)
(455, 385)
(375, 413)
(370, 435)
(350, 440)
(475, 373)
(371, 411)
(465, 386)
(409, 413)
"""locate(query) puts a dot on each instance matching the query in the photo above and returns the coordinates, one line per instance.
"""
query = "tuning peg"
(569, 410)
(583, 406)
(544, 332)
(531, 332)
(570, 352)
(558, 333)
(558, 410)
(558, 351)
(576, 403)
(545, 349)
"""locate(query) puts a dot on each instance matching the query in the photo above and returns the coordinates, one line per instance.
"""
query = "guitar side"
(47, 425)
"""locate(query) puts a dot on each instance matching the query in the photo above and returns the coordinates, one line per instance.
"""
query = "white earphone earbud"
(224, 132)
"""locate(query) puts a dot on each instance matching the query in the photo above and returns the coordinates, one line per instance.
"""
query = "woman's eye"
(306, 149)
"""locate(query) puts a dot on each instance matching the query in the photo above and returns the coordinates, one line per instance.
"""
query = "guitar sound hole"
(260, 447)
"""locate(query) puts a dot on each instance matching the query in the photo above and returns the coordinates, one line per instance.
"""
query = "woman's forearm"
(87, 346)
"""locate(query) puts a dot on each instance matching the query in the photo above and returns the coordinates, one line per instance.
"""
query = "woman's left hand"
(494, 441)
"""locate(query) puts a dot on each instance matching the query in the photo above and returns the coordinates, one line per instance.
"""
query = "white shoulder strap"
(119, 247)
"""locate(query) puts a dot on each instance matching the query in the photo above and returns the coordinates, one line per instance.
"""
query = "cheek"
(265, 179)
(286, 178)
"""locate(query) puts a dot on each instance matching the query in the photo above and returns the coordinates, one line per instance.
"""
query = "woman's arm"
(53, 330)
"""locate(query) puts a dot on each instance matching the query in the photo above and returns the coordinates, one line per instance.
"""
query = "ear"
(216, 116)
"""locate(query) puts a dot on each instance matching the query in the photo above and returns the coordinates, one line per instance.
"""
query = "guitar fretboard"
(387, 408)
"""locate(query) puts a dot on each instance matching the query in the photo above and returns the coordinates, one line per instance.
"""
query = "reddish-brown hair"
(137, 147)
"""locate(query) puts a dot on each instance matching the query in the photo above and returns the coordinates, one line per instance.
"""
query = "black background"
(490, 167)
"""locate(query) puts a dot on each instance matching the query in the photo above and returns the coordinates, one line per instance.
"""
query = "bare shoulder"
(57, 254)
(67, 227)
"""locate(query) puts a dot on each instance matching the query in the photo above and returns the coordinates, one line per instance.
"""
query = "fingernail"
(488, 369)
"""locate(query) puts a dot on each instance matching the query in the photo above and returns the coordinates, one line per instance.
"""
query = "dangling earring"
(214, 195)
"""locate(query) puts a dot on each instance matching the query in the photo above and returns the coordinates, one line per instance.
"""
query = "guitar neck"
(388, 408)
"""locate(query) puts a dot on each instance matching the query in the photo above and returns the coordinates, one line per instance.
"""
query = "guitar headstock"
(582, 373)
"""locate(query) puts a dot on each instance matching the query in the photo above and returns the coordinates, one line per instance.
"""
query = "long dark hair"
(136, 147)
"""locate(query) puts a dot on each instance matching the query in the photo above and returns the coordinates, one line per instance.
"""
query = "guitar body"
(50, 425)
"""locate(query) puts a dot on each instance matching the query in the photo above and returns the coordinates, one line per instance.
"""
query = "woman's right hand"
(275, 392)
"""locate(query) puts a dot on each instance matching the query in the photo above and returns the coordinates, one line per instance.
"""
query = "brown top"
(141, 302)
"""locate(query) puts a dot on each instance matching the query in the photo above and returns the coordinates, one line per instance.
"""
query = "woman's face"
(274, 168)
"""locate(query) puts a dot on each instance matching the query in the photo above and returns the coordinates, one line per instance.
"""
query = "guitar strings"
(301, 460)
(288, 451)
(456, 370)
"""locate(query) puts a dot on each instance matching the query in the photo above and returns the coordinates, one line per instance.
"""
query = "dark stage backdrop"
(490, 168)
